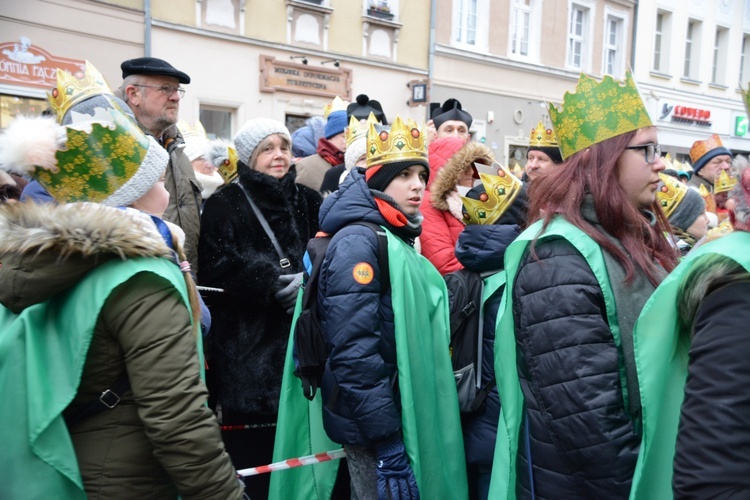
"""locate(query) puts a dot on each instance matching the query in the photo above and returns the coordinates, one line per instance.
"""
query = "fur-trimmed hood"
(447, 177)
(47, 248)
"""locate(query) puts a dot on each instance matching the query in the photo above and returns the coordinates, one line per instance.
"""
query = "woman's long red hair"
(562, 189)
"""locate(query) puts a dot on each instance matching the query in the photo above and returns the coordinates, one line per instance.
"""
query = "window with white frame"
(579, 36)
(745, 60)
(719, 66)
(470, 23)
(662, 37)
(520, 27)
(217, 121)
(614, 45)
(692, 50)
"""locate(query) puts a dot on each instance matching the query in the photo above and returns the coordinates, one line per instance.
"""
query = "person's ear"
(133, 94)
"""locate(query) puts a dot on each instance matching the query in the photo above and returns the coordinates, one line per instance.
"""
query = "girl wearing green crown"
(577, 280)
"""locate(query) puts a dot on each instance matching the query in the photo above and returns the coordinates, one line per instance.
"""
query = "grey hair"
(129, 80)
(262, 144)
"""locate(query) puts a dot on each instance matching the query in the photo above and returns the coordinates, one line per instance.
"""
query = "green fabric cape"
(430, 416)
(503, 484)
(661, 356)
(42, 354)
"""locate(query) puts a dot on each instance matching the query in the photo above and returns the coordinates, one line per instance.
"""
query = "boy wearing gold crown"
(576, 281)
(693, 336)
(388, 393)
(100, 366)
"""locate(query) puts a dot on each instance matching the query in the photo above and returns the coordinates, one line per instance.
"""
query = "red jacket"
(449, 157)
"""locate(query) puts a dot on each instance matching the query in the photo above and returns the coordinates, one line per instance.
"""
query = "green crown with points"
(597, 112)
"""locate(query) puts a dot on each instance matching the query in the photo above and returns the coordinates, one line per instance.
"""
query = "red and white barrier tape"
(294, 462)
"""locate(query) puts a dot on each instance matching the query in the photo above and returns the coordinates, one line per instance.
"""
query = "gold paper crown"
(724, 182)
(670, 194)
(402, 141)
(228, 170)
(668, 163)
(700, 148)
(74, 88)
(708, 198)
(597, 112)
(500, 192)
(517, 170)
(542, 137)
(191, 130)
(357, 130)
(337, 104)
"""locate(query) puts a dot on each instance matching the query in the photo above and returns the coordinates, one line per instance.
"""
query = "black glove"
(287, 286)
(396, 480)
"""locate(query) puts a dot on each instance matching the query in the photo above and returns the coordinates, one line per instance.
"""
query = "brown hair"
(594, 170)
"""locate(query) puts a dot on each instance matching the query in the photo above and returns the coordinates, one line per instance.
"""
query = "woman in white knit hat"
(260, 271)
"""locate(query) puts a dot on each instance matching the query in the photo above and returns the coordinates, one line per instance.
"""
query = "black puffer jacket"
(582, 440)
(250, 329)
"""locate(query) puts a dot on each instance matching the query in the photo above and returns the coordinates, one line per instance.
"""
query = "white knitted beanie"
(253, 132)
(357, 148)
(152, 166)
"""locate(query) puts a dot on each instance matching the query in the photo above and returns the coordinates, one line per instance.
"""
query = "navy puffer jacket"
(480, 249)
(582, 440)
(360, 404)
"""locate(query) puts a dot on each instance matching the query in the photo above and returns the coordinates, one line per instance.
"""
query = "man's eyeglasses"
(651, 151)
(167, 90)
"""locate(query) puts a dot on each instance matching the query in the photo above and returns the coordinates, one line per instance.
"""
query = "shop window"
(12, 106)
(217, 121)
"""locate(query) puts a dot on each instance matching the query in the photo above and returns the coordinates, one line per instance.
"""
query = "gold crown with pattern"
(700, 148)
(724, 182)
(542, 137)
(597, 112)
(228, 169)
(500, 192)
(402, 141)
(517, 170)
(74, 88)
(337, 104)
(670, 194)
(708, 197)
(357, 130)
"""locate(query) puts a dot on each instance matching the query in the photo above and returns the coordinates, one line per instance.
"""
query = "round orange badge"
(363, 273)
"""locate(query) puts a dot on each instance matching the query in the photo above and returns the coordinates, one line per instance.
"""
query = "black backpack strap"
(106, 401)
(482, 394)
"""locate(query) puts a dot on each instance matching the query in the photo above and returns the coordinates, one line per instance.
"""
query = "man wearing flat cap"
(152, 89)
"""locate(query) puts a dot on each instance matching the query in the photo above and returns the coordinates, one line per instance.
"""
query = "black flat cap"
(363, 106)
(152, 66)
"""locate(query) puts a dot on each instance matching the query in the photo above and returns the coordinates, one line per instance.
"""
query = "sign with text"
(685, 115)
(22, 63)
(302, 79)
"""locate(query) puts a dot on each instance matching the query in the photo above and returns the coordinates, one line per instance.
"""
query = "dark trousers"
(250, 447)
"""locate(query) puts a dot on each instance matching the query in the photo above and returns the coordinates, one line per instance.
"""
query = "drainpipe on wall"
(147, 33)
(431, 59)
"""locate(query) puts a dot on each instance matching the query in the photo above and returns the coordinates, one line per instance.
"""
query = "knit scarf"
(403, 225)
(329, 152)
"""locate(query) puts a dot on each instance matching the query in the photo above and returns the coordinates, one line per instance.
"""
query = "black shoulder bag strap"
(283, 261)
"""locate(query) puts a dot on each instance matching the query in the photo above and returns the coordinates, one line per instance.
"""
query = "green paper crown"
(597, 112)
(95, 163)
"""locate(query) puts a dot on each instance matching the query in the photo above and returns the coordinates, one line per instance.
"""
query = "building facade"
(504, 59)
(282, 59)
(691, 59)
